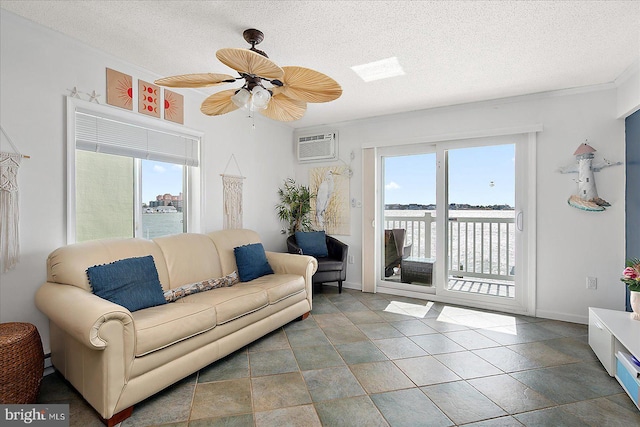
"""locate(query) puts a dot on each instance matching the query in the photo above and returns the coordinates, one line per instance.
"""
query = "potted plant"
(295, 206)
(631, 277)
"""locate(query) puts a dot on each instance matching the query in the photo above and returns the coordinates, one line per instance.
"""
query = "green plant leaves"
(295, 206)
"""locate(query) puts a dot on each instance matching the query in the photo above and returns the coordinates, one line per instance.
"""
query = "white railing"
(482, 247)
(478, 247)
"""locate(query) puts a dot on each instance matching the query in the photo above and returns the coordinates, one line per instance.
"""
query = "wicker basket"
(21, 363)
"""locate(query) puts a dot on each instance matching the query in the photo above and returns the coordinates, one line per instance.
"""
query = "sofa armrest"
(303, 265)
(81, 314)
(292, 264)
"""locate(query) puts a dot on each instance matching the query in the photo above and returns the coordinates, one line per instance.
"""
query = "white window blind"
(104, 135)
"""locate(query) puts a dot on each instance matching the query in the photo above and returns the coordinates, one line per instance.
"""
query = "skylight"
(378, 70)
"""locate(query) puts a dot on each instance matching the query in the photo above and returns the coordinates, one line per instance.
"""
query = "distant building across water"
(452, 206)
(165, 203)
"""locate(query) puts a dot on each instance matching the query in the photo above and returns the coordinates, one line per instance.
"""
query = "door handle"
(519, 221)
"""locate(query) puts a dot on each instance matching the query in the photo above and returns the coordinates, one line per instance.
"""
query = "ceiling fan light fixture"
(259, 98)
(241, 98)
(286, 93)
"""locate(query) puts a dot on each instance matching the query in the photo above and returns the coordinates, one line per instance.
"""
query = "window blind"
(104, 135)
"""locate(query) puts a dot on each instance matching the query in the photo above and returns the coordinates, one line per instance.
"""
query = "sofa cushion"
(190, 258)
(68, 264)
(231, 303)
(226, 240)
(312, 243)
(132, 283)
(280, 286)
(206, 285)
(159, 327)
(251, 261)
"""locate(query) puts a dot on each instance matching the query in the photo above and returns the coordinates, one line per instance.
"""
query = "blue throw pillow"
(132, 283)
(251, 261)
(312, 243)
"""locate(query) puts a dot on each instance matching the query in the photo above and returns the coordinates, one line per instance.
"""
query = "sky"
(160, 178)
(477, 176)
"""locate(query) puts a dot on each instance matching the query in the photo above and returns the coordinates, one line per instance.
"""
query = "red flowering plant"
(631, 275)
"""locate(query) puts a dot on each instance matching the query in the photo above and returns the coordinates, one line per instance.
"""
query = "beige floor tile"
(279, 391)
(378, 377)
(222, 398)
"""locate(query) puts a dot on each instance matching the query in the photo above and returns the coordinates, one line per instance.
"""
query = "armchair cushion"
(132, 283)
(312, 243)
(251, 261)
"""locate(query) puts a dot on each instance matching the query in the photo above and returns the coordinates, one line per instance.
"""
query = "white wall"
(629, 90)
(571, 244)
(37, 68)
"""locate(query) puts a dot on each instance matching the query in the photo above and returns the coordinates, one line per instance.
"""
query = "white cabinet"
(610, 332)
(602, 342)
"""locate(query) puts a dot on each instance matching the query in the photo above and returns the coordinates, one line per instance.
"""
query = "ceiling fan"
(279, 93)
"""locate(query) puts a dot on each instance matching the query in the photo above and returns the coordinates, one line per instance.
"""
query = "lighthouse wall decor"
(587, 197)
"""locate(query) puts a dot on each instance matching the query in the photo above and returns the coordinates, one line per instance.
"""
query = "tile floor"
(377, 360)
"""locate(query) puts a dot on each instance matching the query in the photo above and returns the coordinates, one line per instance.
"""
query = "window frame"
(192, 175)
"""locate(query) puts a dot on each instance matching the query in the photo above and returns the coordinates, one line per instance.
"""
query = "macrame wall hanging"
(9, 212)
(232, 197)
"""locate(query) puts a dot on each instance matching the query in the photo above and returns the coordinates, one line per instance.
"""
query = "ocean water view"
(161, 224)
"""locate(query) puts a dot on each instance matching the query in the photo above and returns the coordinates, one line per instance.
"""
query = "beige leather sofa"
(116, 358)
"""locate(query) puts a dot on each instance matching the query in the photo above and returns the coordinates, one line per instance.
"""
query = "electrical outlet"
(592, 283)
(352, 259)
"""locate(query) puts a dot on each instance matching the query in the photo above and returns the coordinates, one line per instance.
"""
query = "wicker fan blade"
(219, 103)
(284, 109)
(246, 61)
(309, 85)
(194, 80)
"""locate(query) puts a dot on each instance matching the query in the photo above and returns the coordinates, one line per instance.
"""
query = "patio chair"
(332, 268)
(394, 249)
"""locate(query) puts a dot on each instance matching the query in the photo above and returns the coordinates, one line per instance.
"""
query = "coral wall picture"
(173, 107)
(119, 89)
(330, 208)
(148, 99)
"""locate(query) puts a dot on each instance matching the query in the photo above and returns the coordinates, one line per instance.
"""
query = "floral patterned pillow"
(206, 285)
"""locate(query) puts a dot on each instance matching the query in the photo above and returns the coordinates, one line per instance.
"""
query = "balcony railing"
(480, 247)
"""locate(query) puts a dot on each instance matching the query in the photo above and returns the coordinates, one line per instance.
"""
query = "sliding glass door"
(481, 249)
(409, 240)
(451, 221)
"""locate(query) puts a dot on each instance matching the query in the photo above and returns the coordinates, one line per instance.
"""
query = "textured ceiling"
(452, 51)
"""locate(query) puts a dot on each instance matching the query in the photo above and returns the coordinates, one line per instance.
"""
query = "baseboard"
(345, 285)
(554, 315)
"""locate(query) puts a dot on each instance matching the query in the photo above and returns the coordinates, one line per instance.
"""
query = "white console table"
(611, 331)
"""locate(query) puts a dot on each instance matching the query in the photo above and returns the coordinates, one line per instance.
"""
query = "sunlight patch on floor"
(408, 309)
(471, 318)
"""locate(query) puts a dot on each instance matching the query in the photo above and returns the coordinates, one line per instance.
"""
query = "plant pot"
(635, 305)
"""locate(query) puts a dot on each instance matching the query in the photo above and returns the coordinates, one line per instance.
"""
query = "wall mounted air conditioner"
(317, 147)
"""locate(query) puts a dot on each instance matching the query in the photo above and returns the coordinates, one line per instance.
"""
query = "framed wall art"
(119, 89)
(330, 210)
(173, 107)
(148, 99)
